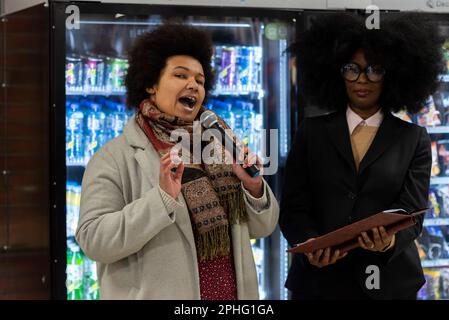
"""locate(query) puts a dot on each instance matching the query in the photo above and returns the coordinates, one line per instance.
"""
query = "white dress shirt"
(354, 119)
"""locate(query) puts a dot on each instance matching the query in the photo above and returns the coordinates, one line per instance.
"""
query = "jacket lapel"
(149, 161)
(386, 135)
(337, 128)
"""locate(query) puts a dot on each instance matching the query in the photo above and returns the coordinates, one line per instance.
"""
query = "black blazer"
(323, 192)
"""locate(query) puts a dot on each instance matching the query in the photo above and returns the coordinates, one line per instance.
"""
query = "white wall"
(348, 4)
(422, 5)
(16, 5)
(9, 6)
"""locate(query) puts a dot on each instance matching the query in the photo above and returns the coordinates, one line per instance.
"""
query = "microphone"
(208, 119)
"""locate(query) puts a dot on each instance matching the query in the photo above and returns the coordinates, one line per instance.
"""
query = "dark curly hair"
(408, 45)
(150, 52)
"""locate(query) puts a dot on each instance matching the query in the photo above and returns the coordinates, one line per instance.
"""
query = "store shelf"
(76, 164)
(95, 93)
(435, 263)
(229, 92)
(439, 129)
(436, 222)
(439, 180)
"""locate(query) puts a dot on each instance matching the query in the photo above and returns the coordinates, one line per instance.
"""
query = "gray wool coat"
(142, 250)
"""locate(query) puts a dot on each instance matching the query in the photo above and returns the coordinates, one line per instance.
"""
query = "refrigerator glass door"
(251, 93)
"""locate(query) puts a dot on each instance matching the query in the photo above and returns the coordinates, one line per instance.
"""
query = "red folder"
(345, 238)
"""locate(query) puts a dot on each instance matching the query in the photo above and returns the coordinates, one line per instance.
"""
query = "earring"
(149, 90)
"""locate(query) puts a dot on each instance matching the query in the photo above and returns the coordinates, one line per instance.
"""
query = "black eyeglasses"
(351, 72)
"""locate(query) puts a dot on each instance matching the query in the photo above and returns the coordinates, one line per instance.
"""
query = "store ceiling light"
(198, 24)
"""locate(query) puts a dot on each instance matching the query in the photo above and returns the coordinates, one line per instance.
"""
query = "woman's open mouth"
(188, 101)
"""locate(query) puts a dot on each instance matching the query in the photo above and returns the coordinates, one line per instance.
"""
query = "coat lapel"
(386, 135)
(337, 128)
(148, 159)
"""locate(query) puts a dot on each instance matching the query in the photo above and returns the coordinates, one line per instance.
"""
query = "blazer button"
(352, 196)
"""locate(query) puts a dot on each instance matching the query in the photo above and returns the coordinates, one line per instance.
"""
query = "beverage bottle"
(227, 75)
(248, 122)
(92, 291)
(255, 67)
(73, 72)
(74, 283)
(257, 142)
(69, 144)
(96, 129)
(120, 119)
(74, 133)
(238, 123)
(216, 63)
(76, 202)
(119, 67)
(69, 207)
(244, 71)
(224, 110)
(93, 73)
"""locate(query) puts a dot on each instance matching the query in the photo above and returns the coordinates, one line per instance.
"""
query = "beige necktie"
(361, 139)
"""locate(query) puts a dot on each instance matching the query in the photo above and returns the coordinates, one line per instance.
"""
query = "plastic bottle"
(223, 109)
(119, 120)
(238, 128)
(69, 208)
(74, 133)
(92, 291)
(96, 129)
(257, 142)
(248, 118)
(76, 202)
(75, 261)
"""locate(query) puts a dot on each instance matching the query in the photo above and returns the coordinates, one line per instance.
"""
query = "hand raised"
(170, 181)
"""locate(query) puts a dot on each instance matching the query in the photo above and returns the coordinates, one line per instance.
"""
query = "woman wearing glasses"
(360, 159)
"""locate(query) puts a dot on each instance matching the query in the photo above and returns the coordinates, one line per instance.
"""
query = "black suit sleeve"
(414, 193)
(295, 220)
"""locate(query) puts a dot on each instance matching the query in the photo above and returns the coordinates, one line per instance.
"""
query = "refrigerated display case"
(252, 94)
(433, 244)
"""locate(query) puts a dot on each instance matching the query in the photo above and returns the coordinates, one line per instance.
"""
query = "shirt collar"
(354, 119)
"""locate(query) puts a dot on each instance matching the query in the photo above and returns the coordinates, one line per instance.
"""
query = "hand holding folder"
(345, 238)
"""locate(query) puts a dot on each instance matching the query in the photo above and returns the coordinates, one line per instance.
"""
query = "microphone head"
(208, 119)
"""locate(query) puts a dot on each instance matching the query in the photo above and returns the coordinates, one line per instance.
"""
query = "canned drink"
(117, 73)
(73, 73)
(227, 73)
(99, 85)
(108, 64)
(216, 59)
(90, 73)
(256, 61)
(245, 63)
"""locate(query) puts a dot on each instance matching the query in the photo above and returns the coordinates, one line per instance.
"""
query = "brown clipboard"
(345, 238)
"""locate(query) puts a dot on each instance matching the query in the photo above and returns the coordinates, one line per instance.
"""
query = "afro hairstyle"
(407, 45)
(149, 54)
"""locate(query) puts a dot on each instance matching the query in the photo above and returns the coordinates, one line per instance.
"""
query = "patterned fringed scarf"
(213, 193)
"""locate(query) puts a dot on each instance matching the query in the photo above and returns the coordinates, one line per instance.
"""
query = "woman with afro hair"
(159, 228)
(360, 159)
